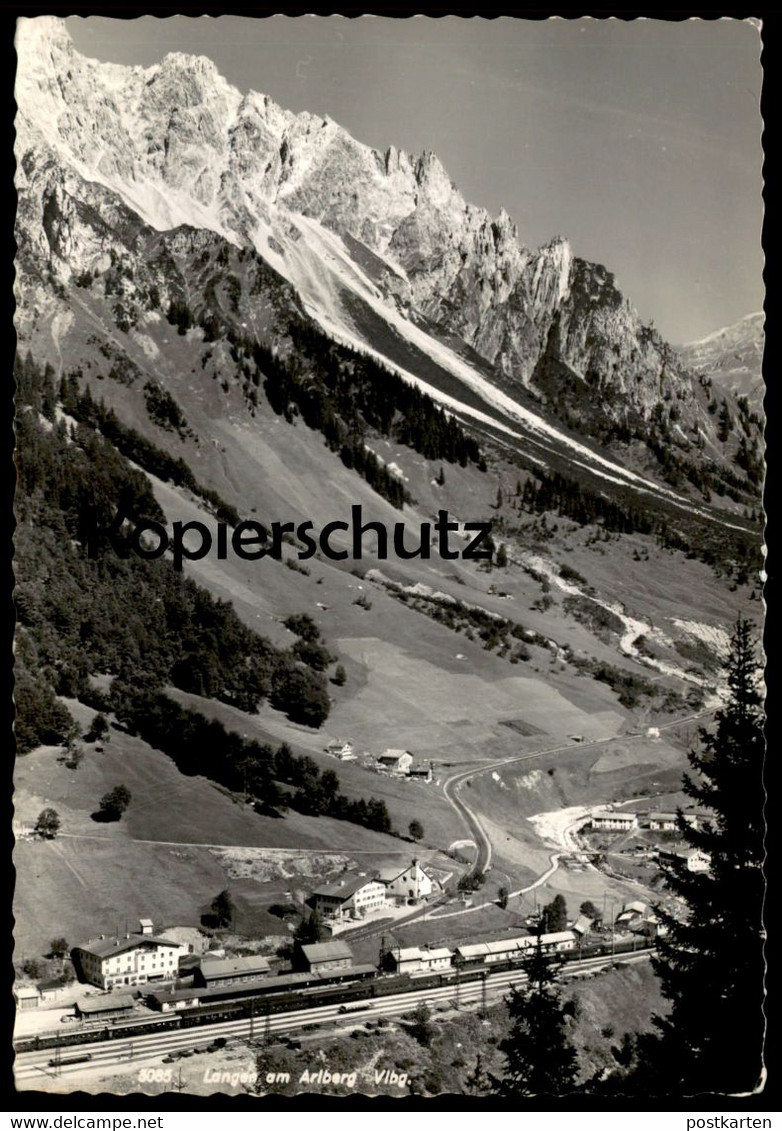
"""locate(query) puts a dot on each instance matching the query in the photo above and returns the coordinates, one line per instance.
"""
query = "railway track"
(121, 1054)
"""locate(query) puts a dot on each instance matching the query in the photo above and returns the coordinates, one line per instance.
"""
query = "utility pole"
(613, 930)
(483, 993)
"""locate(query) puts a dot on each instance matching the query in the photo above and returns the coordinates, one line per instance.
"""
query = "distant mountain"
(733, 358)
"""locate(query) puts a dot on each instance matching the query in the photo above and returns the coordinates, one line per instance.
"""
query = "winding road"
(471, 818)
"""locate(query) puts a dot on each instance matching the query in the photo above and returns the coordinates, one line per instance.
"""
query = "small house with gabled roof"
(319, 957)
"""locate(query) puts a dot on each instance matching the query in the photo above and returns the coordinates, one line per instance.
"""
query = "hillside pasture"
(405, 799)
(79, 887)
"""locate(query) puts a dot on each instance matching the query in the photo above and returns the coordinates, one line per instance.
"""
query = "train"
(263, 999)
(71, 1058)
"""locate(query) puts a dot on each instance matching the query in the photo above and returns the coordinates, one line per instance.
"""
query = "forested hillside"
(127, 617)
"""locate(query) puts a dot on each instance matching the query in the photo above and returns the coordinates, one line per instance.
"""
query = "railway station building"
(107, 1007)
(319, 957)
(418, 960)
(230, 971)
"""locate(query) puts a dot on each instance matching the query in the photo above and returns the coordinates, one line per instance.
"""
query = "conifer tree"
(554, 917)
(539, 1056)
(478, 1082)
(222, 909)
(309, 930)
(710, 960)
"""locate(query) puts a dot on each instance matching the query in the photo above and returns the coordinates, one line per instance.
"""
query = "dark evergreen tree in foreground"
(539, 1056)
(711, 959)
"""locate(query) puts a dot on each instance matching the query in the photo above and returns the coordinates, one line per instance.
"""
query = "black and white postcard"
(389, 557)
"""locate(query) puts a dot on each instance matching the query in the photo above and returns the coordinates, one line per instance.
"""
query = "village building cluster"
(397, 763)
(169, 977)
(619, 820)
(622, 821)
(356, 896)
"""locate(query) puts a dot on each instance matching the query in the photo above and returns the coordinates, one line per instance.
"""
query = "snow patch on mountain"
(181, 147)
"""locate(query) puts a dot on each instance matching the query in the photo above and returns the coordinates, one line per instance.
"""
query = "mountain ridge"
(375, 244)
(179, 125)
(733, 357)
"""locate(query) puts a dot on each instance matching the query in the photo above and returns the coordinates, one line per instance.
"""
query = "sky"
(639, 141)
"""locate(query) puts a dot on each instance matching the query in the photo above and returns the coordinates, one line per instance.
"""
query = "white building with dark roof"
(470, 952)
(407, 884)
(669, 822)
(350, 898)
(661, 822)
(419, 960)
(693, 858)
(340, 749)
(614, 820)
(395, 761)
(129, 960)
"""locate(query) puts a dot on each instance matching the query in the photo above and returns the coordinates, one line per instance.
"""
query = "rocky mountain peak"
(180, 146)
(42, 36)
(732, 357)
